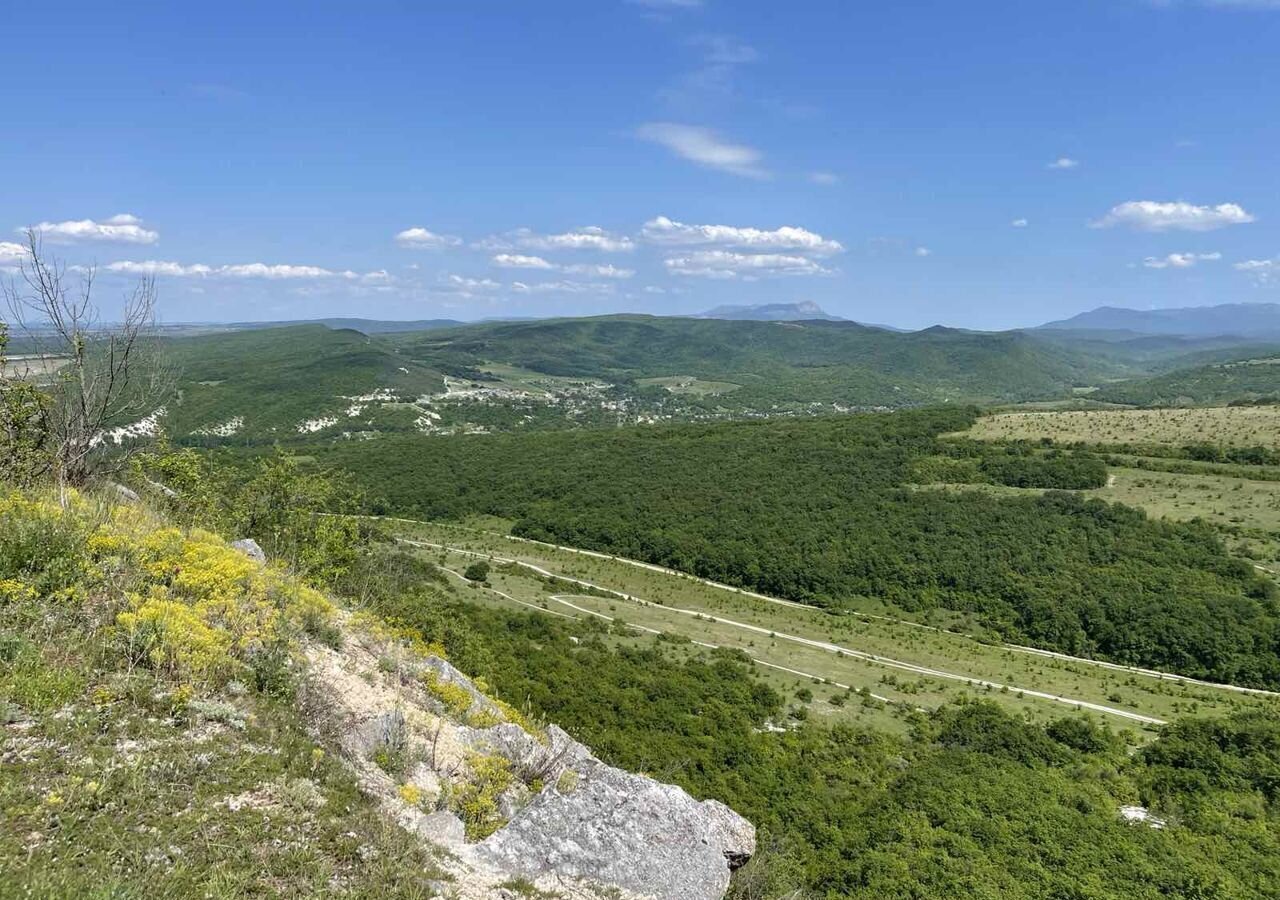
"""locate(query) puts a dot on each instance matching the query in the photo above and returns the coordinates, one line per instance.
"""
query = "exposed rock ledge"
(569, 823)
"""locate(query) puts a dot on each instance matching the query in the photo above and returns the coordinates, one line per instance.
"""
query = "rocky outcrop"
(249, 547)
(558, 816)
(627, 830)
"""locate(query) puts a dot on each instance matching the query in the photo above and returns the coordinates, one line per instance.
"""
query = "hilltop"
(805, 310)
(1254, 321)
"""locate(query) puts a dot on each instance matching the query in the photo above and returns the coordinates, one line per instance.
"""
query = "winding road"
(886, 661)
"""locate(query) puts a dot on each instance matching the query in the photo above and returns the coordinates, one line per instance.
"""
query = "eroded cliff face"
(507, 798)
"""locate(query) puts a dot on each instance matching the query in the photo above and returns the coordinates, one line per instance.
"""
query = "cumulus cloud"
(466, 283)
(1019, 223)
(824, 178)
(122, 228)
(518, 261)
(1150, 215)
(592, 237)
(1064, 162)
(11, 252)
(667, 232)
(725, 264)
(705, 148)
(422, 239)
(1179, 260)
(277, 272)
(923, 251)
(1262, 271)
(562, 287)
(608, 270)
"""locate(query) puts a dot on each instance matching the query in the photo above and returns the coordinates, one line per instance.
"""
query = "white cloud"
(592, 237)
(1262, 271)
(518, 261)
(1179, 260)
(277, 272)
(158, 267)
(123, 228)
(1019, 223)
(561, 287)
(723, 264)
(923, 251)
(422, 239)
(670, 233)
(11, 252)
(824, 178)
(1064, 162)
(704, 147)
(1149, 215)
(465, 283)
(600, 271)
(262, 270)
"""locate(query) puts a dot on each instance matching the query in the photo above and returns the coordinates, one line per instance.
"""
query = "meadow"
(876, 667)
(1230, 426)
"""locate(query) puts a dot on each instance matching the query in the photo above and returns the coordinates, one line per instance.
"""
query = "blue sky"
(988, 165)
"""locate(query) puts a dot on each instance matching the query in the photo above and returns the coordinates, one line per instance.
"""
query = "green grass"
(118, 783)
(1235, 426)
(957, 654)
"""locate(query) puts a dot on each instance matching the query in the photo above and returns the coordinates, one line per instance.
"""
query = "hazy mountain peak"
(1243, 319)
(771, 312)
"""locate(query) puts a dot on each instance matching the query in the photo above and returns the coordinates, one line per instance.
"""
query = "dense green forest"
(272, 379)
(822, 511)
(970, 803)
(1249, 380)
(774, 362)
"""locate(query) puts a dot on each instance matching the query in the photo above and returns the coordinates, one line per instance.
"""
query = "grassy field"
(1246, 511)
(896, 665)
(1235, 426)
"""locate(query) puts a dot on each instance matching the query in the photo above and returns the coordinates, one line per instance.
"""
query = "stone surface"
(588, 824)
(249, 547)
(613, 827)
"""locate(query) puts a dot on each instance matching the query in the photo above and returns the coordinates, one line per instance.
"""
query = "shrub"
(476, 799)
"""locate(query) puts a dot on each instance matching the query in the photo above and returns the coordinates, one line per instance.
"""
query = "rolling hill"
(1256, 321)
(273, 382)
(775, 362)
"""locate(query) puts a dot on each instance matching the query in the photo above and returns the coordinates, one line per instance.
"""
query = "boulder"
(249, 547)
(612, 827)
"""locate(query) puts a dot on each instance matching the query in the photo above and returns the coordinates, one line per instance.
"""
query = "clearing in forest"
(1229, 426)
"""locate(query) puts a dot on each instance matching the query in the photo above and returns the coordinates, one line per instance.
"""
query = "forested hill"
(270, 380)
(822, 510)
(1252, 380)
(813, 360)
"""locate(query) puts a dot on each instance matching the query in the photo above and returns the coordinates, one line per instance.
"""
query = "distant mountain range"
(804, 311)
(1247, 320)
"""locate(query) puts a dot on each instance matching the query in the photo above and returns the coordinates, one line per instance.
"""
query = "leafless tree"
(100, 374)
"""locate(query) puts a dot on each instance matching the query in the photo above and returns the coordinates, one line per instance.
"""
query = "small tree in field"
(100, 374)
(477, 571)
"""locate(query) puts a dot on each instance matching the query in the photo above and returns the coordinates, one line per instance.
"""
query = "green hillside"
(775, 362)
(822, 511)
(1256, 379)
(273, 380)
